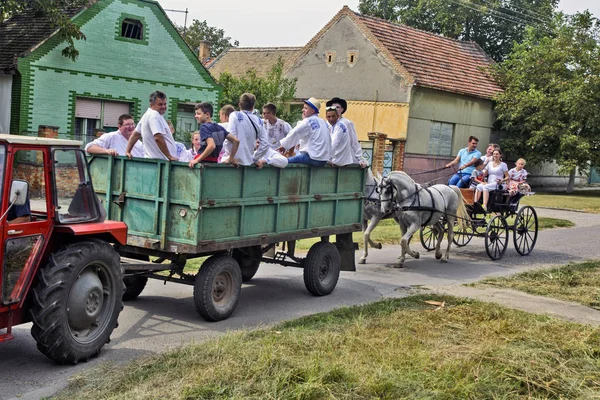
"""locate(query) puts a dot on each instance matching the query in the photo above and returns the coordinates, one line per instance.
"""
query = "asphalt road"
(164, 315)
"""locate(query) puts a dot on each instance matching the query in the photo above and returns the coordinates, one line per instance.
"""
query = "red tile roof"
(435, 61)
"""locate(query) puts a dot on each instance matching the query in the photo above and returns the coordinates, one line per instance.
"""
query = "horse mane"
(404, 174)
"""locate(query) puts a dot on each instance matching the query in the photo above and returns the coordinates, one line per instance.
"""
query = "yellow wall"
(388, 118)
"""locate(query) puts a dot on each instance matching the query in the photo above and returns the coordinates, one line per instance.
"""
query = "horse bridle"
(413, 206)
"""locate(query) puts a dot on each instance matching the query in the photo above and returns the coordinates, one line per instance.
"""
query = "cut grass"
(584, 200)
(579, 283)
(399, 348)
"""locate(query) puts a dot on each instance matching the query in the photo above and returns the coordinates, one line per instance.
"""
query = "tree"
(199, 31)
(549, 108)
(55, 12)
(493, 24)
(274, 88)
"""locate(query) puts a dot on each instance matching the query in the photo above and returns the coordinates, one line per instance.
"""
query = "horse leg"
(402, 255)
(439, 230)
(451, 222)
(367, 238)
(404, 243)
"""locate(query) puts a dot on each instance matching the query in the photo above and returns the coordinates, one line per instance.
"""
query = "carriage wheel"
(496, 237)
(525, 230)
(428, 238)
(462, 236)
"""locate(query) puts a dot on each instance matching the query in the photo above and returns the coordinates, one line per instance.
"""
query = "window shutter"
(88, 108)
(113, 110)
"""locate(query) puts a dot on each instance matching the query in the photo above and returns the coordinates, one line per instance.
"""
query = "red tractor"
(59, 269)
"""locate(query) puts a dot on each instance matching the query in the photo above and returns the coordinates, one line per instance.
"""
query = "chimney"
(204, 51)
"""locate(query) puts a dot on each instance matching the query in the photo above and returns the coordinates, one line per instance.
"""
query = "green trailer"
(236, 216)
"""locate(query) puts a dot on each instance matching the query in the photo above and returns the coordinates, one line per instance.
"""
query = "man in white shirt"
(250, 131)
(341, 105)
(312, 134)
(155, 132)
(276, 128)
(340, 139)
(115, 143)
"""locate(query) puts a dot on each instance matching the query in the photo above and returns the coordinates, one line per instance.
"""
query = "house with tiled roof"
(238, 60)
(131, 49)
(425, 93)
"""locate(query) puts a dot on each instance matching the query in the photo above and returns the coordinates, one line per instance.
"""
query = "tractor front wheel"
(77, 301)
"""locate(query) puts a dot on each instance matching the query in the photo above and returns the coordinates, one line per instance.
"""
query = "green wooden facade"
(168, 207)
(109, 67)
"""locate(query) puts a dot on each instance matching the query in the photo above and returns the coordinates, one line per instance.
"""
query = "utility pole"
(185, 20)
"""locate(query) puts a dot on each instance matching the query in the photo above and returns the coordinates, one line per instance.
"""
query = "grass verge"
(579, 283)
(584, 200)
(398, 348)
(388, 232)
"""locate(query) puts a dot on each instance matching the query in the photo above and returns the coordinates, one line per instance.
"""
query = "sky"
(265, 23)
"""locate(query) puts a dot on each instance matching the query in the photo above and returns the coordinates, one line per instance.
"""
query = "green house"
(131, 49)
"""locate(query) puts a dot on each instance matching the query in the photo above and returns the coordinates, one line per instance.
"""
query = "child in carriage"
(477, 174)
(517, 177)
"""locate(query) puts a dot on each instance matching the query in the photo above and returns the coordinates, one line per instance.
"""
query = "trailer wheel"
(77, 301)
(249, 260)
(322, 268)
(217, 287)
(134, 285)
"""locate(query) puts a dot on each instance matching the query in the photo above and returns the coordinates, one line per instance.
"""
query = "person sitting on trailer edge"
(115, 143)
(212, 136)
(312, 134)
(340, 139)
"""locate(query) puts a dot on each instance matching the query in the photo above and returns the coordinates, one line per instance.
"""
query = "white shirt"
(313, 136)
(276, 132)
(242, 128)
(340, 143)
(116, 141)
(357, 151)
(495, 173)
(150, 124)
(486, 159)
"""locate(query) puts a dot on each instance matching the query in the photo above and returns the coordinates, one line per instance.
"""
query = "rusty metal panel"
(169, 207)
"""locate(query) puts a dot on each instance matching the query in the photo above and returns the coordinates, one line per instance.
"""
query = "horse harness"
(416, 203)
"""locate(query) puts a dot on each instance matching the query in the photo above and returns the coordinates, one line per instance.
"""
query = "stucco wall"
(5, 98)
(111, 68)
(370, 79)
(470, 116)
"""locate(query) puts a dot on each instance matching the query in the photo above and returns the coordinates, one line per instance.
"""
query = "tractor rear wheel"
(77, 301)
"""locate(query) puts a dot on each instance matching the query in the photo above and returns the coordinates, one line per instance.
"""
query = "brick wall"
(379, 144)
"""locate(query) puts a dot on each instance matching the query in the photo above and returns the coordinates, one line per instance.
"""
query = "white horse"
(371, 213)
(415, 206)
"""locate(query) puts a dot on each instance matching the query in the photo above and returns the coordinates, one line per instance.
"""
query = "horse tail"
(461, 211)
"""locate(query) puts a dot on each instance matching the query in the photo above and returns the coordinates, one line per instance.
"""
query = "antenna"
(185, 20)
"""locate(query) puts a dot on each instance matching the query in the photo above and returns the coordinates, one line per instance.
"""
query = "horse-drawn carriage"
(502, 215)
(442, 210)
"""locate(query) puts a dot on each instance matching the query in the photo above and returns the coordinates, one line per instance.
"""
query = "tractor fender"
(111, 231)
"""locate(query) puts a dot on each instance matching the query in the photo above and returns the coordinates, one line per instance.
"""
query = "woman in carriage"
(497, 173)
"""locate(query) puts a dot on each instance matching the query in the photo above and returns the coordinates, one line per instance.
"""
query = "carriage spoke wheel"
(428, 238)
(462, 236)
(496, 237)
(525, 230)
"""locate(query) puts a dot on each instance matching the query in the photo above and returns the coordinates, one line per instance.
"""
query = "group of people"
(241, 137)
(484, 173)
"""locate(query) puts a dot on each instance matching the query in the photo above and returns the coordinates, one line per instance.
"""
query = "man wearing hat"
(312, 134)
(357, 151)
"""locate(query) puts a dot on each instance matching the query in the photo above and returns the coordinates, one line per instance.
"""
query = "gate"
(388, 156)
(594, 176)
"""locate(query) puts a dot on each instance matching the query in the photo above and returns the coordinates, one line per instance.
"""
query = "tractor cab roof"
(34, 140)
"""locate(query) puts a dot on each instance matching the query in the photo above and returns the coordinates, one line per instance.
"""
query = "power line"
(530, 14)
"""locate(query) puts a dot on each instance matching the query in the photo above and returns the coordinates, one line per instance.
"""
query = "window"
(330, 58)
(352, 57)
(132, 29)
(93, 114)
(440, 138)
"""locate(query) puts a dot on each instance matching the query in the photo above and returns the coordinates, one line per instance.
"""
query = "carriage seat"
(500, 201)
